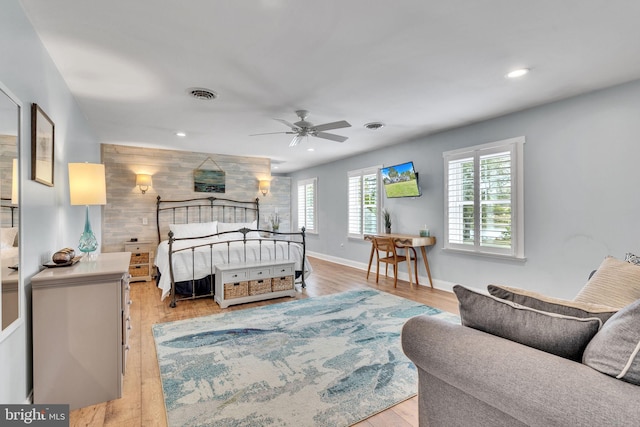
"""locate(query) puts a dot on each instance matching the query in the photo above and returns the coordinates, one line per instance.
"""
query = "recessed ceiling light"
(517, 73)
(374, 125)
(181, 134)
(311, 149)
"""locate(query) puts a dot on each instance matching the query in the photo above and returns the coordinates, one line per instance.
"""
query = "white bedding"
(182, 261)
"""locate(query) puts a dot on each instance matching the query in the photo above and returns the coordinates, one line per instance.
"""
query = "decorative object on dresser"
(208, 232)
(87, 186)
(142, 256)
(81, 329)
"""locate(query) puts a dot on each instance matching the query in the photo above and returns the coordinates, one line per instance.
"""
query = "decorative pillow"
(615, 283)
(233, 226)
(8, 237)
(552, 305)
(632, 258)
(564, 336)
(195, 229)
(615, 350)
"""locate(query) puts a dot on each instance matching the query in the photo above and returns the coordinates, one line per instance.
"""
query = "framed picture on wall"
(42, 143)
(208, 181)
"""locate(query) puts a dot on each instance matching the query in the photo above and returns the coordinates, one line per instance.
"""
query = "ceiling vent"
(202, 93)
(374, 125)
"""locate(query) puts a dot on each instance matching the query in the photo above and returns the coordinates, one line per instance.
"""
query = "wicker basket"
(141, 258)
(282, 283)
(257, 287)
(236, 290)
(139, 270)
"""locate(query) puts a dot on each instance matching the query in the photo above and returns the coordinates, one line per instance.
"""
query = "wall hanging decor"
(42, 139)
(208, 180)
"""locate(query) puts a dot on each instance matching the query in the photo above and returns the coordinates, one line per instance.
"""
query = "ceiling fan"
(304, 128)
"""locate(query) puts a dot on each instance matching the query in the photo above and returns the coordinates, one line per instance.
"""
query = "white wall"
(581, 202)
(48, 221)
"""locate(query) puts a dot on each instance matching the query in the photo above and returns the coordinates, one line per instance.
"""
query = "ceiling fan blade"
(288, 124)
(295, 141)
(331, 136)
(271, 133)
(332, 125)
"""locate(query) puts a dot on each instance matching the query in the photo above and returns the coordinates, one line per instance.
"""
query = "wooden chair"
(387, 252)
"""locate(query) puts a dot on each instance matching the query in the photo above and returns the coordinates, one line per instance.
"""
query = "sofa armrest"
(534, 387)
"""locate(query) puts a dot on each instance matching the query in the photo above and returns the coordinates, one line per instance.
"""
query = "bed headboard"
(10, 211)
(204, 209)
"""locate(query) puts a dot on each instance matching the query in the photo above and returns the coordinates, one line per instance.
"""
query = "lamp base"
(88, 242)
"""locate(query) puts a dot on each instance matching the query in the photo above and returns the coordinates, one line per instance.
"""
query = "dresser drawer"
(259, 273)
(235, 276)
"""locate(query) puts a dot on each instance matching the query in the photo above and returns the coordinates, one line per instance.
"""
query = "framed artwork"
(42, 143)
(208, 181)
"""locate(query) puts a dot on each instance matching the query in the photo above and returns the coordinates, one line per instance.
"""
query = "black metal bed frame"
(202, 210)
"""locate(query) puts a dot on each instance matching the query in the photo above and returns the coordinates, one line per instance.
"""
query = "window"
(484, 199)
(307, 205)
(364, 202)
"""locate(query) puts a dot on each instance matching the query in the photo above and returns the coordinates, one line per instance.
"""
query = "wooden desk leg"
(370, 259)
(426, 264)
(408, 255)
(415, 264)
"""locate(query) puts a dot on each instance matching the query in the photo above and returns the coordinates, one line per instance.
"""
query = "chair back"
(385, 244)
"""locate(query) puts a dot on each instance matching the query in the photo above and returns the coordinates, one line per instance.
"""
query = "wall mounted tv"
(400, 180)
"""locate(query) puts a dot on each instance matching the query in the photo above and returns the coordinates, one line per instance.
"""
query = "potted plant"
(386, 215)
(275, 222)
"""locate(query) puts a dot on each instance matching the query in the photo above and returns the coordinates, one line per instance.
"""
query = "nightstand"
(141, 265)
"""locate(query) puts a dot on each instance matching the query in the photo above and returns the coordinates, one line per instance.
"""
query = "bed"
(197, 234)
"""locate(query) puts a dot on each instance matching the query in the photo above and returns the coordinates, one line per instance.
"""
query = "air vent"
(374, 125)
(202, 93)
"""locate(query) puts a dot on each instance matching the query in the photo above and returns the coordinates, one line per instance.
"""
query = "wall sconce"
(143, 181)
(264, 186)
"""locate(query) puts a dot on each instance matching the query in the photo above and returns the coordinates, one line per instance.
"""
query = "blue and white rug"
(325, 361)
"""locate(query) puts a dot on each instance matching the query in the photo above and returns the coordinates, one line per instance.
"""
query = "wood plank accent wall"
(172, 176)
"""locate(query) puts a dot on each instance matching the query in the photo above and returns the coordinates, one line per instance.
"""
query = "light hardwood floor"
(142, 402)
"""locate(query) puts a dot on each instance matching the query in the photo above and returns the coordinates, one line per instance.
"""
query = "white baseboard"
(424, 281)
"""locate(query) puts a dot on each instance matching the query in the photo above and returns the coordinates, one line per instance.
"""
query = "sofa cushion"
(615, 283)
(615, 350)
(564, 336)
(552, 305)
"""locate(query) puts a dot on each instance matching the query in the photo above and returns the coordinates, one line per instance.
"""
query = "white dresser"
(81, 328)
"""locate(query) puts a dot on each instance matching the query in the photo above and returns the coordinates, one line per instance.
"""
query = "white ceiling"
(419, 66)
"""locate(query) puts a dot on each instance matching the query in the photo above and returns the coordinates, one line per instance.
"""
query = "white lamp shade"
(143, 180)
(87, 184)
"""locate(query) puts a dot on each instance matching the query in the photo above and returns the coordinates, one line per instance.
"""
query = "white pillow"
(233, 226)
(195, 229)
(8, 237)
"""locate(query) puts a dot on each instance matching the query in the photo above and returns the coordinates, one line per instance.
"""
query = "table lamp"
(87, 186)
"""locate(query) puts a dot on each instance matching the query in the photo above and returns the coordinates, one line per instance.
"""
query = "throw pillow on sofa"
(564, 336)
(615, 350)
(552, 305)
(615, 283)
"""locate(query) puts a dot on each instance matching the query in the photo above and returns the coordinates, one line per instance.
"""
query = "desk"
(409, 241)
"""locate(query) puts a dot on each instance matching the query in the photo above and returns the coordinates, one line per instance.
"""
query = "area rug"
(324, 361)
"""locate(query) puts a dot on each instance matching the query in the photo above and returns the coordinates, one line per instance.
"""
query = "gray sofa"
(471, 378)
